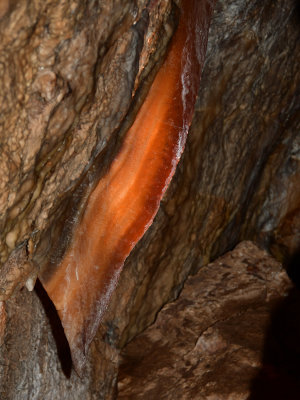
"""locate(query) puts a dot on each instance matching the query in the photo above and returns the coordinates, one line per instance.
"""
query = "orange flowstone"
(125, 201)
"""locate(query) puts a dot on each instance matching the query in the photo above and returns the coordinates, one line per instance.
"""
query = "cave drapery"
(124, 202)
(69, 73)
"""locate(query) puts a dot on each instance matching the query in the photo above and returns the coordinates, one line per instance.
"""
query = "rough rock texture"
(35, 358)
(248, 109)
(68, 72)
(217, 337)
(238, 178)
(241, 165)
(127, 197)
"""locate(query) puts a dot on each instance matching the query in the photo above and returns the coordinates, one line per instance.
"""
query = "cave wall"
(228, 186)
(68, 71)
(231, 334)
(237, 178)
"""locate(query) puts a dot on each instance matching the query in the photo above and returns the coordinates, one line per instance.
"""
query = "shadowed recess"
(63, 349)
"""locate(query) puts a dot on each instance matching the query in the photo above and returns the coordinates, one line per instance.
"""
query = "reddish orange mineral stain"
(125, 201)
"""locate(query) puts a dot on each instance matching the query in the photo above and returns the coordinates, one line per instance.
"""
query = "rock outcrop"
(215, 340)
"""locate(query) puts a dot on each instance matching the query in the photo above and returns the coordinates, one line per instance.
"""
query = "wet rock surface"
(63, 100)
(68, 74)
(216, 339)
(228, 185)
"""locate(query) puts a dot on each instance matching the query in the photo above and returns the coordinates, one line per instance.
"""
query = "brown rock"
(209, 343)
(35, 358)
(63, 99)
(233, 182)
(68, 74)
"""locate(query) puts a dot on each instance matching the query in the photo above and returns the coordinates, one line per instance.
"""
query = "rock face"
(242, 157)
(228, 181)
(127, 197)
(209, 343)
(68, 72)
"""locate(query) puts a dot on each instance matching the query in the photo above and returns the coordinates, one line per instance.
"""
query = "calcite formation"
(73, 76)
(124, 202)
(68, 74)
